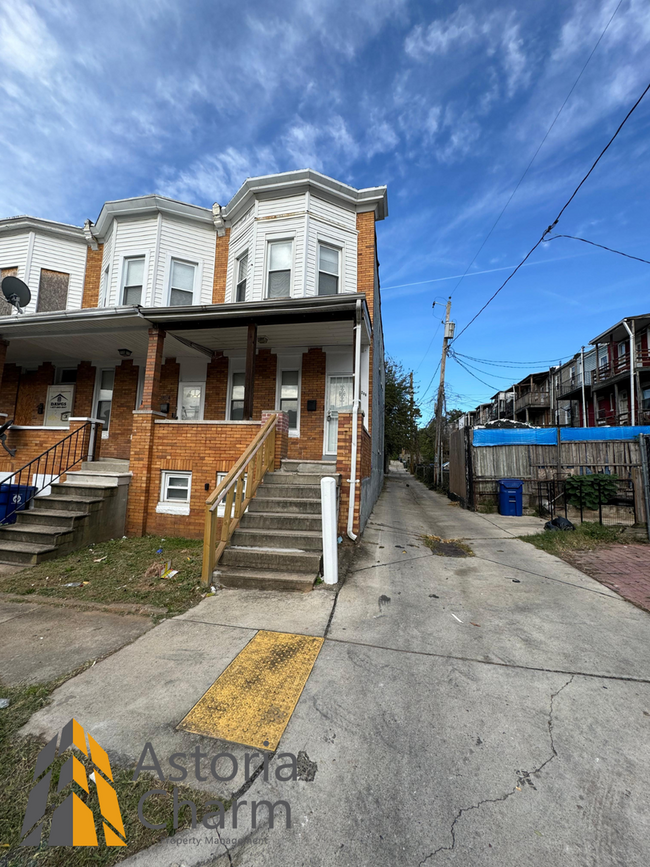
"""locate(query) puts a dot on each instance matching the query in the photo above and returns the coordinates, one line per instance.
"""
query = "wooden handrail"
(237, 489)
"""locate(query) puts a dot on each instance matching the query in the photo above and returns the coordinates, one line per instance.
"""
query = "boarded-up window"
(5, 306)
(52, 291)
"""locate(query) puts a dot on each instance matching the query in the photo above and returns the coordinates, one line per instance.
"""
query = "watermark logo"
(73, 822)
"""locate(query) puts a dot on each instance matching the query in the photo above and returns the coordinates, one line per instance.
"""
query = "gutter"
(355, 415)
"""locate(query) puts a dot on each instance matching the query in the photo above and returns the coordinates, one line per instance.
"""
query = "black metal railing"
(607, 501)
(22, 485)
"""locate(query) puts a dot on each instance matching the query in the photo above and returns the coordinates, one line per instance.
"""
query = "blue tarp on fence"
(547, 436)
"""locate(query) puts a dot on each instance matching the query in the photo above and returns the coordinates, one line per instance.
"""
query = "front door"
(339, 399)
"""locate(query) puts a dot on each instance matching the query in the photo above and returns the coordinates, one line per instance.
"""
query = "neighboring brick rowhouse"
(169, 373)
(32, 392)
(266, 367)
(9, 389)
(216, 388)
(220, 268)
(125, 389)
(93, 277)
(343, 462)
(84, 390)
(366, 257)
(310, 444)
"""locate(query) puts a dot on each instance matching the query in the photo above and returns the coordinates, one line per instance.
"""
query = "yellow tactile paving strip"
(252, 701)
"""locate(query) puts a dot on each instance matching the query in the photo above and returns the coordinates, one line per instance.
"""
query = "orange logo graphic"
(73, 823)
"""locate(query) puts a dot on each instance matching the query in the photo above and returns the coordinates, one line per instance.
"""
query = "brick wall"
(309, 446)
(220, 268)
(9, 389)
(216, 388)
(93, 277)
(31, 443)
(169, 373)
(266, 369)
(202, 449)
(366, 257)
(118, 443)
(343, 461)
(84, 390)
(32, 392)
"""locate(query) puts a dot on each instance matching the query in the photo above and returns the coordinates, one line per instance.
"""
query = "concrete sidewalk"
(490, 709)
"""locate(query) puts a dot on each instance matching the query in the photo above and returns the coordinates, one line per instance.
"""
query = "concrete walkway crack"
(522, 777)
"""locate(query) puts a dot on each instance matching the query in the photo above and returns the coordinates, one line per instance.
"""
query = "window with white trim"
(221, 508)
(237, 389)
(175, 491)
(133, 281)
(289, 396)
(181, 283)
(105, 396)
(328, 270)
(242, 275)
(279, 269)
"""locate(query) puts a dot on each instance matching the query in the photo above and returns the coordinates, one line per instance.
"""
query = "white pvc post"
(328, 519)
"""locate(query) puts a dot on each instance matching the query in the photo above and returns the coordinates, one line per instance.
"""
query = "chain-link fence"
(593, 498)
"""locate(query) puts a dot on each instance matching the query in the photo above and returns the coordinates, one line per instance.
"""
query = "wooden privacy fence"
(235, 492)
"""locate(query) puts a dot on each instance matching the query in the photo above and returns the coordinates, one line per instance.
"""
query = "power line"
(557, 219)
(548, 132)
(495, 387)
(430, 383)
(497, 363)
(594, 244)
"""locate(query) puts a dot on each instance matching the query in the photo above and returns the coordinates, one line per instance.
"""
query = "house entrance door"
(339, 399)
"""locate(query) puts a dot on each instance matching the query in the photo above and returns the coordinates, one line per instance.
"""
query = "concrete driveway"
(486, 710)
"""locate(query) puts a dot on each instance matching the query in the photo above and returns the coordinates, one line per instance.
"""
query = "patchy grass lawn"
(585, 537)
(17, 761)
(121, 570)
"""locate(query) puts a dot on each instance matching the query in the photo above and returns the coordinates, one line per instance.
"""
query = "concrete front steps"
(278, 544)
(89, 507)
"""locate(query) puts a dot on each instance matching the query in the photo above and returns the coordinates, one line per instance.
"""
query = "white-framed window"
(221, 508)
(280, 256)
(191, 401)
(182, 278)
(289, 397)
(175, 492)
(241, 264)
(622, 349)
(103, 289)
(133, 280)
(603, 357)
(106, 381)
(236, 403)
(329, 259)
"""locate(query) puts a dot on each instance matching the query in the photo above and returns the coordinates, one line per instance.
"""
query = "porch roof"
(619, 332)
(75, 335)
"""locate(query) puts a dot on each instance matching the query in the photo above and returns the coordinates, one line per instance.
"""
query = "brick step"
(282, 478)
(290, 492)
(281, 521)
(260, 579)
(26, 553)
(303, 540)
(281, 505)
(320, 468)
(55, 518)
(272, 558)
(37, 534)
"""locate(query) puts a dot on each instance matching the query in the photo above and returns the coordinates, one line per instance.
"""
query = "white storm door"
(339, 399)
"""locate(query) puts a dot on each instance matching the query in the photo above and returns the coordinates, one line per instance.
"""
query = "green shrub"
(591, 491)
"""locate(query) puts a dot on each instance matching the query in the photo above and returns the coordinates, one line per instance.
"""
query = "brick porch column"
(343, 466)
(142, 437)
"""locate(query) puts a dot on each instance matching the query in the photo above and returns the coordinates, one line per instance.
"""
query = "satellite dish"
(16, 292)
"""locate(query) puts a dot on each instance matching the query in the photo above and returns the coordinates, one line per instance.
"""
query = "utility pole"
(412, 419)
(449, 333)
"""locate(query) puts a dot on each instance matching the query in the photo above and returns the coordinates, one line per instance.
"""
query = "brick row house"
(606, 384)
(179, 327)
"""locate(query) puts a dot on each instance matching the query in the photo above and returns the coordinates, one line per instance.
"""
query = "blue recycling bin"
(511, 497)
(14, 498)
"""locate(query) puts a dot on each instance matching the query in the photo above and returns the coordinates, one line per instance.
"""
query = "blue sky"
(443, 102)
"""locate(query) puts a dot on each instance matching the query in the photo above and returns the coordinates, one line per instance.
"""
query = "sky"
(445, 103)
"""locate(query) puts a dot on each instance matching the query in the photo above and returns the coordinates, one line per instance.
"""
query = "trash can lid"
(511, 483)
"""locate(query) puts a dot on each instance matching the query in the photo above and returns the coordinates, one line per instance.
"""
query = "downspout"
(585, 420)
(632, 400)
(355, 415)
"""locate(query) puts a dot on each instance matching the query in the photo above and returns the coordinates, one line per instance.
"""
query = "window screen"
(52, 291)
(182, 284)
(279, 269)
(133, 281)
(328, 270)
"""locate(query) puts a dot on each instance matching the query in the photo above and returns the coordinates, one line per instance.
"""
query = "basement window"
(221, 508)
(175, 490)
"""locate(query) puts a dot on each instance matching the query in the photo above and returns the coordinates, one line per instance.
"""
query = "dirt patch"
(447, 547)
